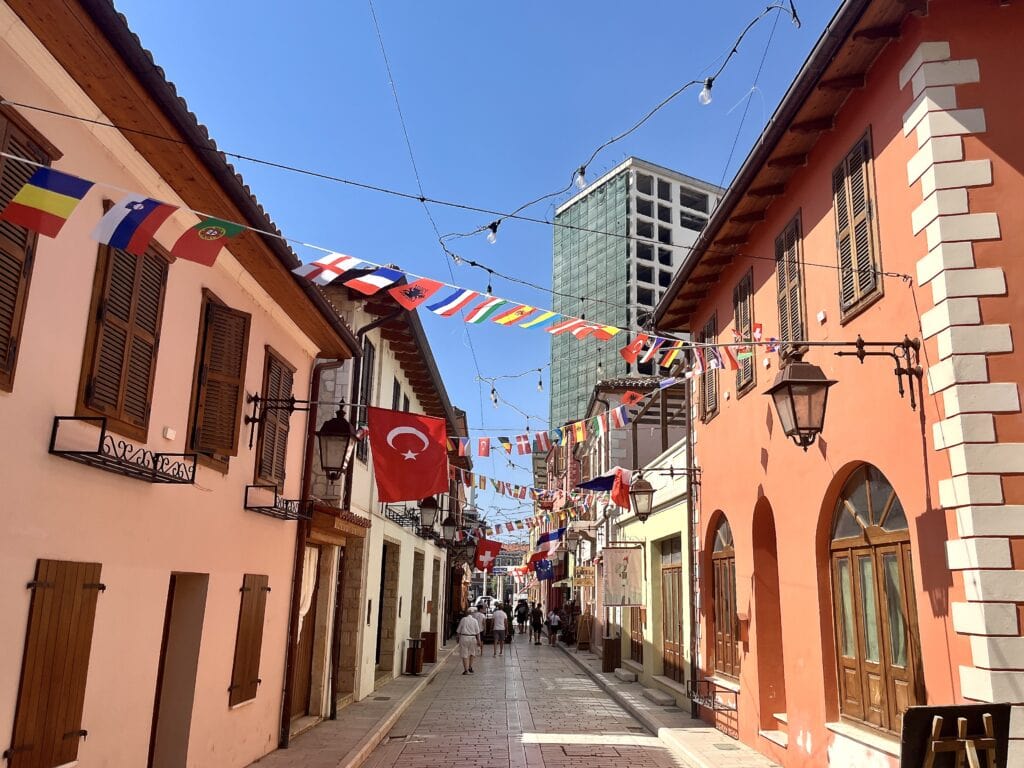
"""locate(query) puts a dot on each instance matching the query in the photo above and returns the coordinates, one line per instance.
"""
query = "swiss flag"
(486, 553)
(620, 488)
(410, 461)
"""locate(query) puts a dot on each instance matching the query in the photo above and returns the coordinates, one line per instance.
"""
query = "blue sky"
(502, 102)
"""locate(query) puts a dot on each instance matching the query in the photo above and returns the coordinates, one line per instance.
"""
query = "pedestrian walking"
(500, 625)
(522, 615)
(536, 619)
(470, 644)
(554, 621)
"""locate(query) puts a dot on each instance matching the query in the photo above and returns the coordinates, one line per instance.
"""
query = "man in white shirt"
(500, 625)
(554, 620)
(470, 645)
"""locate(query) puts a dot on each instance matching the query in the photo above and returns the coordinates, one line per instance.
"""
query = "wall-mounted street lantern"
(641, 496)
(800, 394)
(448, 528)
(335, 438)
(800, 391)
(428, 513)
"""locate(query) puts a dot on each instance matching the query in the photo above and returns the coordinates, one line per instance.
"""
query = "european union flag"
(545, 571)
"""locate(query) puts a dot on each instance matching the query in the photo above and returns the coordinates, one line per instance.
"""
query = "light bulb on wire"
(580, 179)
(492, 236)
(705, 93)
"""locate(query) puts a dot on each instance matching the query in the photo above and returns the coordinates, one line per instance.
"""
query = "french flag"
(373, 282)
(453, 302)
(131, 223)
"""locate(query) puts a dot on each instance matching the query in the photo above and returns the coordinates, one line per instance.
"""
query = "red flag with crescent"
(410, 460)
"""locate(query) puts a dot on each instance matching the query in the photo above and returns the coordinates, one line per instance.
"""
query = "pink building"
(146, 598)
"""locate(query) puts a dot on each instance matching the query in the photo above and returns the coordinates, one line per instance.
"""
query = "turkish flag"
(631, 351)
(410, 460)
(620, 488)
(486, 553)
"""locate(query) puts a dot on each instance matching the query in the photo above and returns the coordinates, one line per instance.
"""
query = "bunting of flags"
(50, 197)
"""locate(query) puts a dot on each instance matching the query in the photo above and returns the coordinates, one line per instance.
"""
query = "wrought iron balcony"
(85, 440)
(267, 501)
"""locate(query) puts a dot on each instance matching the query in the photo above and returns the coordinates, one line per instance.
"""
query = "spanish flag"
(46, 201)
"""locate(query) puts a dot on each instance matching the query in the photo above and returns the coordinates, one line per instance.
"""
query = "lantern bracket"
(906, 354)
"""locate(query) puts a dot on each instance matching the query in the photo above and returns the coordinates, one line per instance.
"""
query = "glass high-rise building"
(617, 244)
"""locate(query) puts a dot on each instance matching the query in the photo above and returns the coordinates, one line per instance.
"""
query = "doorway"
(416, 604)
(672, 609)
(771, 667)
(176, 675)
(435, 594)
(387, 608)
(302, 682)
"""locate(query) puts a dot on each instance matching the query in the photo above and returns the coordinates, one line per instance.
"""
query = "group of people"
(473, 623)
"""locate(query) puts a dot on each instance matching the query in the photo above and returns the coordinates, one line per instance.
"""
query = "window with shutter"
(789, 278)
(219, 385)
(368, 365)
(709, 380)
(856, 247)
(17, 245)
(245, 672)
(743, 319)
(272, 442)
(123, 338)
(51, 694)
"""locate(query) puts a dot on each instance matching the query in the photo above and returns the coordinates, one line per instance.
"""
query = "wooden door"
(636, 634)
(672, 621)
(874, 696)
(304, 659)
(727, 657)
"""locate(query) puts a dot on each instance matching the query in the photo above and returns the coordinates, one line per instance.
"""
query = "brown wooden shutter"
(221, 380)
(851, 190)
(272, 445)
(789, 277)
(709, 381)
(743, 319)
(51, 694)
(119, 382)
(245, 671)
(17, 246)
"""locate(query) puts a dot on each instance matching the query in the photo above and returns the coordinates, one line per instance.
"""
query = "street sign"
(500, 570)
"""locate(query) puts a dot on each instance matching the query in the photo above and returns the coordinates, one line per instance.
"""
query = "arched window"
(726, 629)
(873, 602)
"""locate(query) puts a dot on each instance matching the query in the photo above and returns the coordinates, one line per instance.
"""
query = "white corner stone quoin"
(937, 121)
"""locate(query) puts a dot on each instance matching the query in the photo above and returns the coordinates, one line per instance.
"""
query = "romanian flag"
(46, 201)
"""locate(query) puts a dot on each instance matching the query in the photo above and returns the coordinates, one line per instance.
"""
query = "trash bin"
(429, 647)
(611, 654)
(413, 656)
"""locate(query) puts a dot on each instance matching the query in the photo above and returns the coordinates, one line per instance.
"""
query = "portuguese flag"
(203, 242)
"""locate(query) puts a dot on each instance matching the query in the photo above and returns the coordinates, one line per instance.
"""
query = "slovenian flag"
(131, 223)
(453, 302)
(373, 282)
(46, 201)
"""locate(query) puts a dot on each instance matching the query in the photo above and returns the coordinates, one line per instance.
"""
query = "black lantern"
(448, 527)
(641, 495)
(428, 513)
(800, 394)
(335, 437)
(469, 550)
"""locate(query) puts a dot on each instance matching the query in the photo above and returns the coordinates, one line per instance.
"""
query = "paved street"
(532, 707)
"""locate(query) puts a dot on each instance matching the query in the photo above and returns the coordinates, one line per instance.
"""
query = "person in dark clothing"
(536, 622)
(522, 615)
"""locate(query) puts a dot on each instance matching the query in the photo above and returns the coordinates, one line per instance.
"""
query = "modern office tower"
(617, 244)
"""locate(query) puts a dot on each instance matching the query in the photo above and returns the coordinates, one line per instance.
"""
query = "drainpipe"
(688, 549)
(301, 534)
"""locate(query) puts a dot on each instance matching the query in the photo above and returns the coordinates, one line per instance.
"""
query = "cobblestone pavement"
(531, 707)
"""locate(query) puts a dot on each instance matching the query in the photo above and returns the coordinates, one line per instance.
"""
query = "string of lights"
(579, 176)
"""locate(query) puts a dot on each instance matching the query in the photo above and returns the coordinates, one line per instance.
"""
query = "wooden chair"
(964, 747)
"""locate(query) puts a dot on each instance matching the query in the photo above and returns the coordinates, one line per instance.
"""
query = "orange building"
(881, 568)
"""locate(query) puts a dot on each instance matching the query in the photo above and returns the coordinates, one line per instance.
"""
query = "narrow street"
(532, 707)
